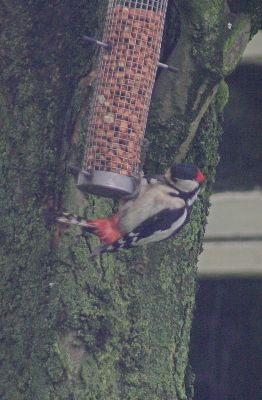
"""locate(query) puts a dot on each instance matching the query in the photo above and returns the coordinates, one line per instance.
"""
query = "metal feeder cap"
(106, 184)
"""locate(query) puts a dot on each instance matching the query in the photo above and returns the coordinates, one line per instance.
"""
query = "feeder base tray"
(106, 184)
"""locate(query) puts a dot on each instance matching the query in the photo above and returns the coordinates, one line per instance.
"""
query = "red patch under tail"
(106, 229)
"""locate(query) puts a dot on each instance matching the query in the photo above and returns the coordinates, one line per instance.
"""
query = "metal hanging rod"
(168, 67)
(108, 47)
(89, 39)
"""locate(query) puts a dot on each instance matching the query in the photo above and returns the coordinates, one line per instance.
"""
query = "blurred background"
(226, 341)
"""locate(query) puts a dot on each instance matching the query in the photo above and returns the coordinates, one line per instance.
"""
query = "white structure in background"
(253, 52)
(233, 240)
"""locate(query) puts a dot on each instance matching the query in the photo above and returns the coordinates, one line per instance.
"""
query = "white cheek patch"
(186, 185)
(161, 235)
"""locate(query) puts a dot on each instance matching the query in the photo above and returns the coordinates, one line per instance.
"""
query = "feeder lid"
(106, 184)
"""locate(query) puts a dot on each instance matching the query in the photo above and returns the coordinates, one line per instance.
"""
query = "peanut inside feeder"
(126, 75)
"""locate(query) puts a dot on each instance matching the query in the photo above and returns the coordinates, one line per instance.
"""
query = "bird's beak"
(167, 176)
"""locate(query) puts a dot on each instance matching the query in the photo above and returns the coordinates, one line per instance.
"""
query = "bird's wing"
(159, 227)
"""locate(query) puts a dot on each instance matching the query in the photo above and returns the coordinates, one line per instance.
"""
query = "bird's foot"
(137, 179)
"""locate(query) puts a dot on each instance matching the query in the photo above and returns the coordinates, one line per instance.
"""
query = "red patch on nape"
(106, 229)
(200, 177)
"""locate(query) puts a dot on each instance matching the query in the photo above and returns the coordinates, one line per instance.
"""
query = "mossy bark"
(116, 328)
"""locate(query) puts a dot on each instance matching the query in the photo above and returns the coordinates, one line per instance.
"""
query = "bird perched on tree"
(160, 209)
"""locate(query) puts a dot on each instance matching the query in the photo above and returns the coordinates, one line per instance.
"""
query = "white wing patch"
(132, 234)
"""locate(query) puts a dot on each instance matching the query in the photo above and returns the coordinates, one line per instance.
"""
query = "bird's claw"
(137, 179)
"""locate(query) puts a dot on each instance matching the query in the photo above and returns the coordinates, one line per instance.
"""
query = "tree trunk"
(116, 328)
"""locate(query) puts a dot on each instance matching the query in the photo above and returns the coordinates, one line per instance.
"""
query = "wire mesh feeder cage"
(126, 74)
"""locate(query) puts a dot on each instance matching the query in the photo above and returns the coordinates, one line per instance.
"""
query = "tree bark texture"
(118, 327)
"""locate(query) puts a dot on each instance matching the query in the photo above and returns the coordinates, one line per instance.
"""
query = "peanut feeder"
(127, 69)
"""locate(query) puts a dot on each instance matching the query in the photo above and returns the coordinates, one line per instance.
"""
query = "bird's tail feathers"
(70, 219)
(105, 228)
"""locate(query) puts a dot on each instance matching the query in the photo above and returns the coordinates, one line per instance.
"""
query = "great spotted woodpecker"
(159, 211)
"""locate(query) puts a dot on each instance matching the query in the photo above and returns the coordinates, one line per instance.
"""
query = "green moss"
(249, 7)
(209, 12)
(237, 39)
(222, 96)
(58, 364)
(40, 71)
(165, 139)
(117, 327)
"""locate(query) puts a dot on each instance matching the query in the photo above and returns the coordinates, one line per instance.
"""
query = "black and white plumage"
(158, 212)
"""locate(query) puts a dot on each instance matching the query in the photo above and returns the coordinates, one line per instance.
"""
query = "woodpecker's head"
(184, 177)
